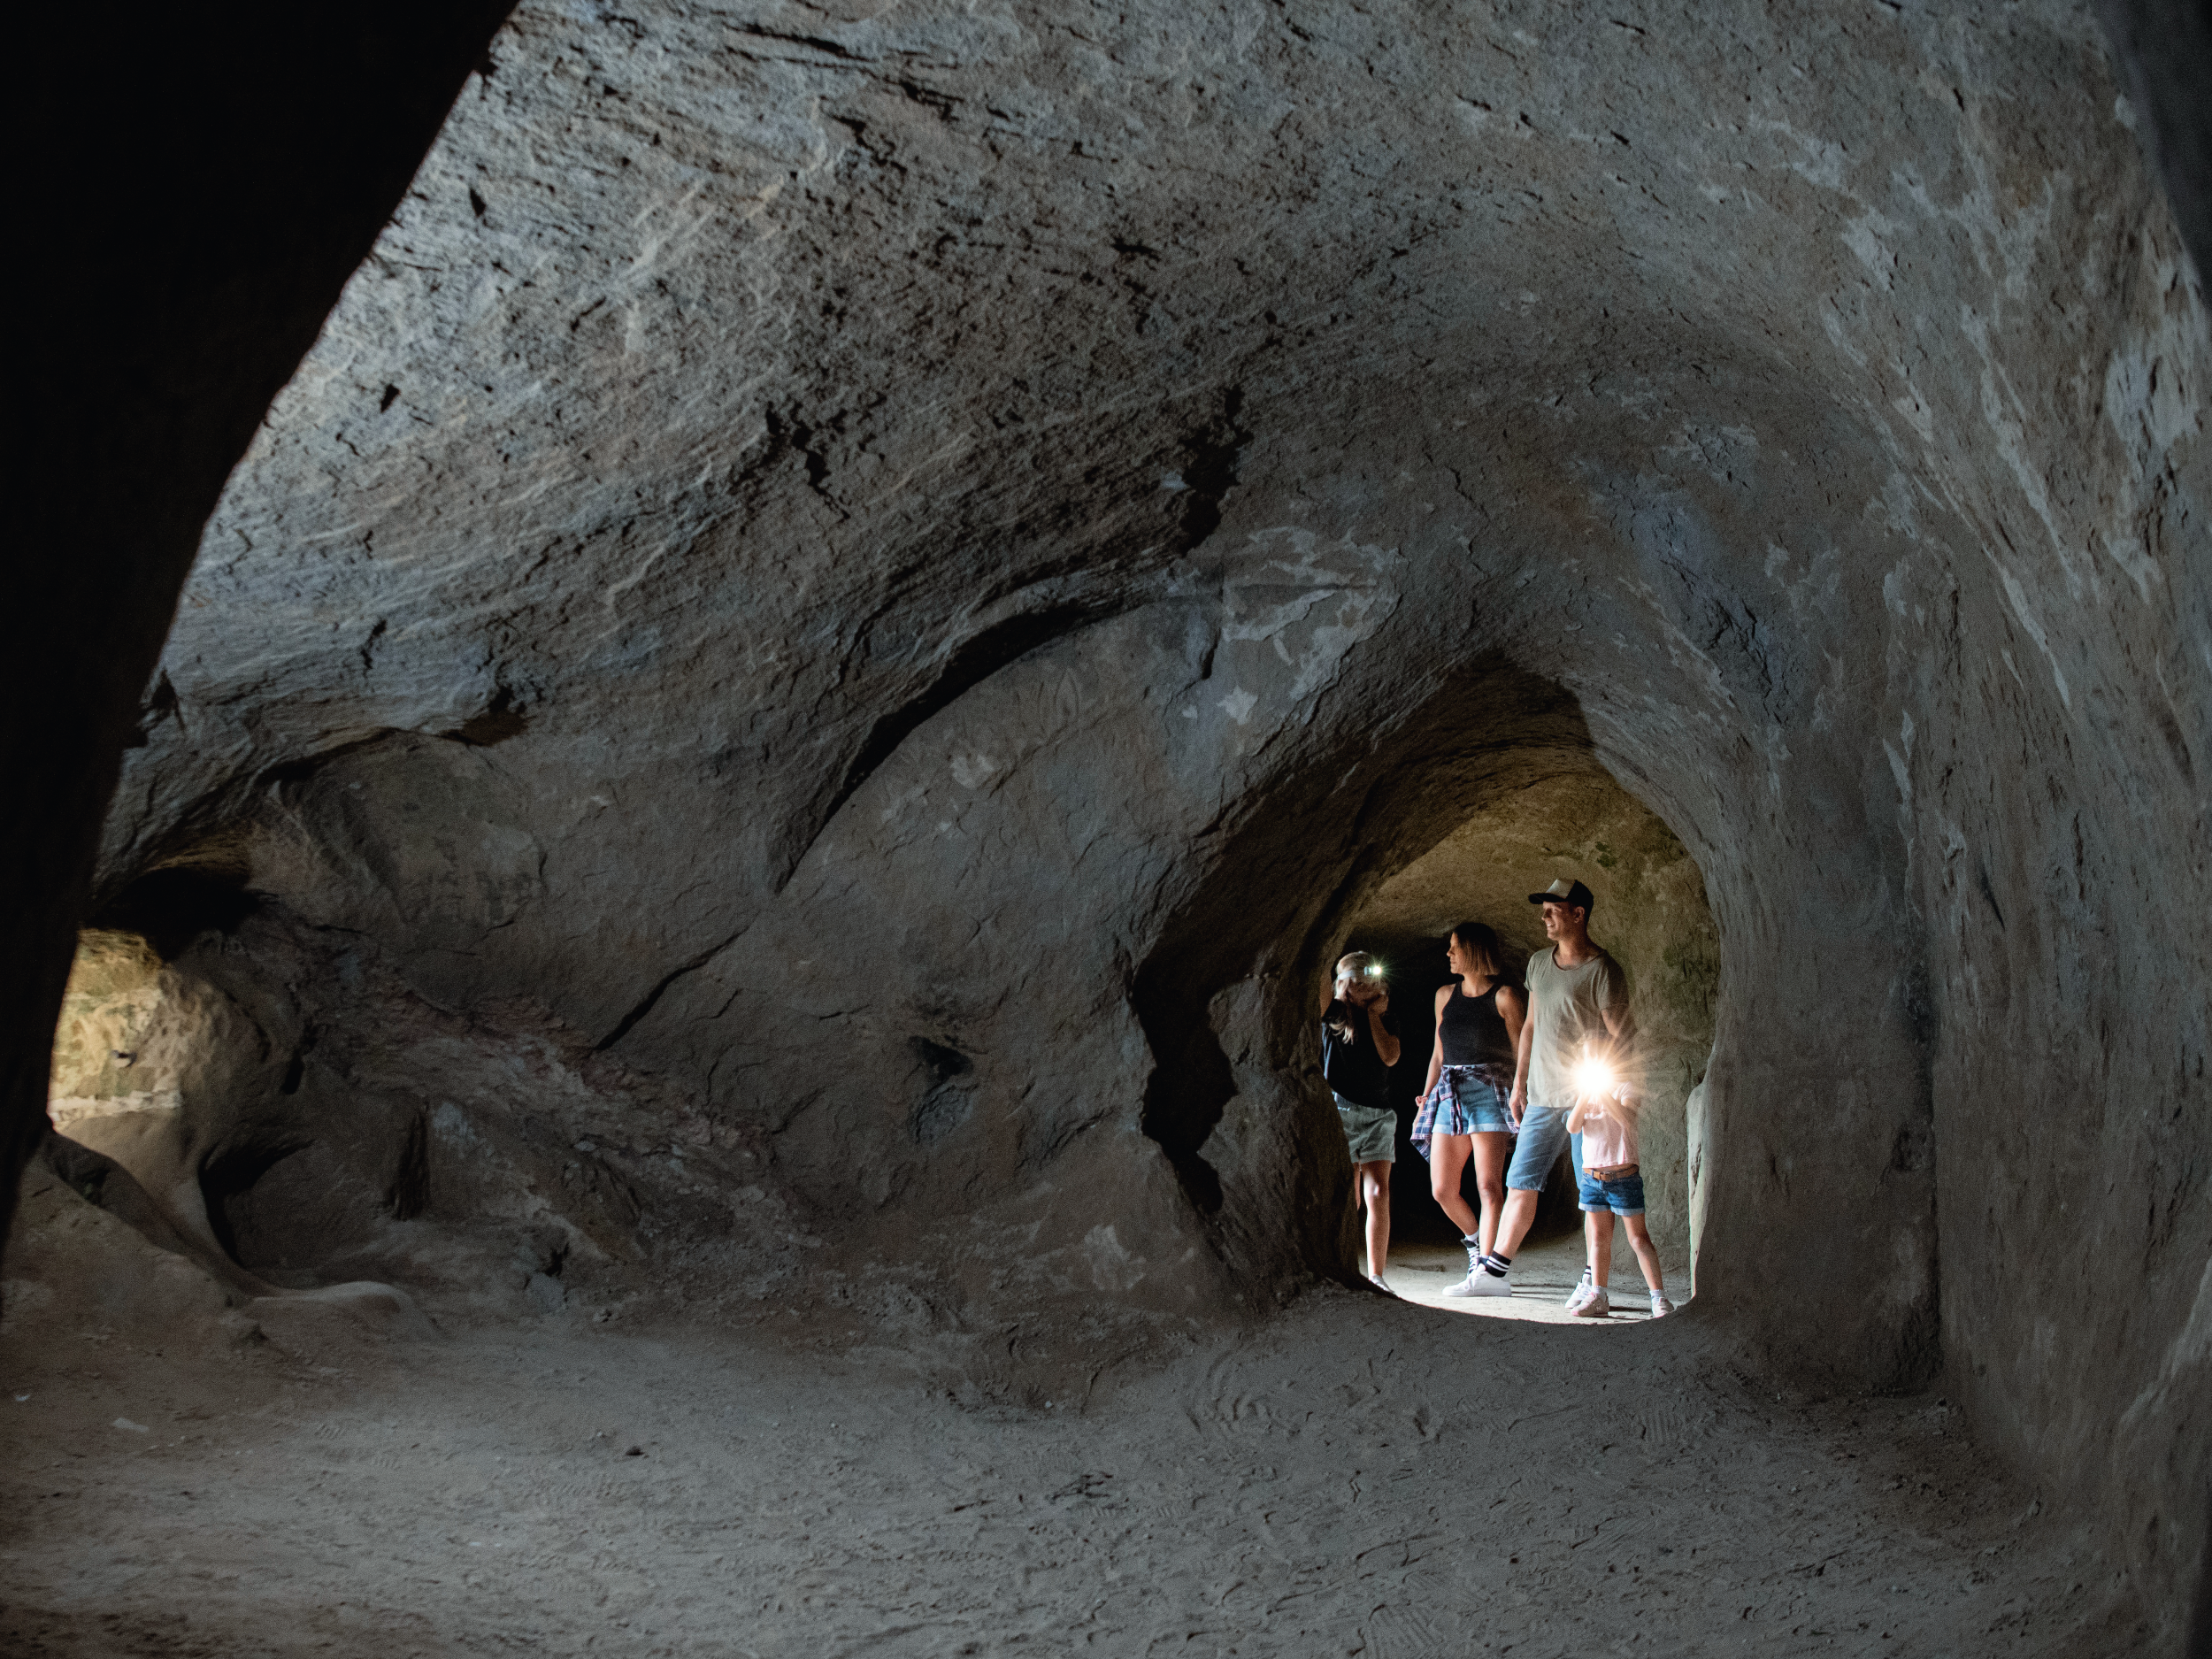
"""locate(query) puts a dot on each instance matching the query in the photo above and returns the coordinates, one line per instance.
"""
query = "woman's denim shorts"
(1469, 1103)
(1466, 1100)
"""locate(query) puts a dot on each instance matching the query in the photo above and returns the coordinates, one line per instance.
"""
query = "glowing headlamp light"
(1374, 970)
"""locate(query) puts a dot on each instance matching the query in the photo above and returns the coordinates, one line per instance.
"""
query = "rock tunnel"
(815, 622)
(1563, 808)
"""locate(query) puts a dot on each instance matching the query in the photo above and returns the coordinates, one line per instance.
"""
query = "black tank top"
(1473, 1030)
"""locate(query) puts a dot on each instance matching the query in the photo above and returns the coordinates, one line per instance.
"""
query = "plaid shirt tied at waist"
(1445, 1097)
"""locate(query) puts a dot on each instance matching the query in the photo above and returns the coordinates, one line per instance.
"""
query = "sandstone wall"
(842, 567)
(195, 221)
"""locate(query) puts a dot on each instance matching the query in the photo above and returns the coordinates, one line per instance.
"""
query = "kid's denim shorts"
(1623, 1197)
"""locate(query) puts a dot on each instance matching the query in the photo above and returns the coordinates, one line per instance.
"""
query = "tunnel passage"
(269, 1098)
(1652, 917)
(1842, 460)
(1493, 789)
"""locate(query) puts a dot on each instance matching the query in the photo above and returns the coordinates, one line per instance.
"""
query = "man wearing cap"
(1577, 1009)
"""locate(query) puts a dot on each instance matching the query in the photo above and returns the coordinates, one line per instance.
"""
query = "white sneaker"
(1381, 1284)
(1579, 1297)
(1660, 1307)
(1482, 1282)
(1600, 1306)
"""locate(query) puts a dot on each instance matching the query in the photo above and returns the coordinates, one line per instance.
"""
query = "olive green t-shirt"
(1566, 1006)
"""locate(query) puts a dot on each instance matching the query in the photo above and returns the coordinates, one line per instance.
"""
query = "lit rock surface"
(877, 590)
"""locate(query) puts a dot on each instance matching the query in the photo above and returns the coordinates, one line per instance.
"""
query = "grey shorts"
(1371, 1132)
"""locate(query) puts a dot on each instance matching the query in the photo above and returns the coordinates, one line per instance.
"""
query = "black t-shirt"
(1352, 1066)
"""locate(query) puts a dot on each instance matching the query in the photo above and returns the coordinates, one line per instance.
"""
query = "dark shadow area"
(170, 908)
(948, 1098)
(215, 184)
(408, 1193)
(1191, 1081)
(2164, 49)
(226, 1183)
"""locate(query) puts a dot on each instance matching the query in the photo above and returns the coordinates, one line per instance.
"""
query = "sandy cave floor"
(1361, 1477)
(1544, 1273)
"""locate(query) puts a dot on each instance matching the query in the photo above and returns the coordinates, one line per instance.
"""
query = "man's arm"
(1521, 1052)
(1386, 1044)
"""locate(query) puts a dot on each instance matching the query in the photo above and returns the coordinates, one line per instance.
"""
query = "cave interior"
(706, 695)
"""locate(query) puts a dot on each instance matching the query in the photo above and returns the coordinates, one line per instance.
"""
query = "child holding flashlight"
(1604, 1124)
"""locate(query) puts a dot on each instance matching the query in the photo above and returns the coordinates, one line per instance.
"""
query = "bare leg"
(1359, 1189)
(1597, 1229)
(1492, 1152)
(1447, 1157)
(1514, 1223)
(1374, 1187)
(1646, 1256)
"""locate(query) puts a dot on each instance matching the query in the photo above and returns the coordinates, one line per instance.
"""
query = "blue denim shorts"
(1543, 1136)
(1466, 1100)
(1623, 1197)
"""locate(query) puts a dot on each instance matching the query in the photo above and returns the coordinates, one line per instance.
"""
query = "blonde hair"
(1355, 966)
(1358, 964)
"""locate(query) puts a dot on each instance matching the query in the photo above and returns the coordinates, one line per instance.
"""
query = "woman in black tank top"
(1466, 1109)
(1470, 1029)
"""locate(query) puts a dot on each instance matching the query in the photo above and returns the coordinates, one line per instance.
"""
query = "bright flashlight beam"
(1592, 1077)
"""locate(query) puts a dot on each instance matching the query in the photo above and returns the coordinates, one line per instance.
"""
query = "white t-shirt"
(1608, 1135)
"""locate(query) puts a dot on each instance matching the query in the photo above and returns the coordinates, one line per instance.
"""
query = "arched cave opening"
(1651, 916)
(1492, 788)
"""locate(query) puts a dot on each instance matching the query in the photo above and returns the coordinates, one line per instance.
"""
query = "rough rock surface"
(897, 577)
